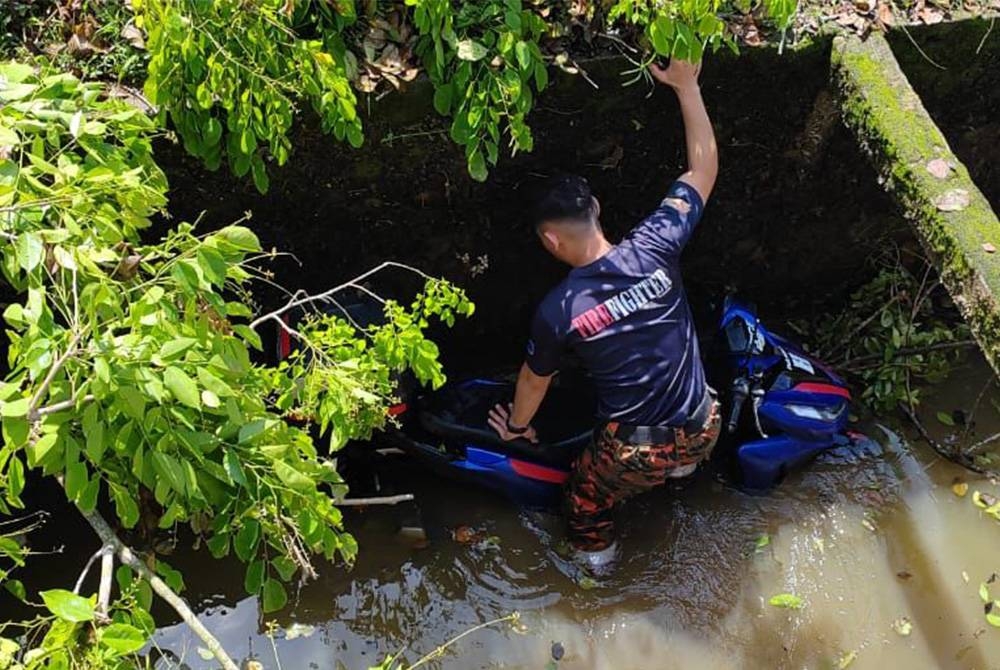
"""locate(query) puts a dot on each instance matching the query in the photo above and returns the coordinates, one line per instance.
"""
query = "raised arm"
(702, 154)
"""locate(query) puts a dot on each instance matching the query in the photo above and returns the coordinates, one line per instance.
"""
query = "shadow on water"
(866, 539)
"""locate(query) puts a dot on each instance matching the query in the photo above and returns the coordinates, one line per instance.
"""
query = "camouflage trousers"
(617, 465)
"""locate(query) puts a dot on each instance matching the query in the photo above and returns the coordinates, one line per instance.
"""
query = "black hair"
(563, 197)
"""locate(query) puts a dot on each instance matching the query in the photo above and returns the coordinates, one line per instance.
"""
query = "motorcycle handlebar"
(741, 390)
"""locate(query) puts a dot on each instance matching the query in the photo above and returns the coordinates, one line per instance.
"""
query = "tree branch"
(53, 371)
(59, 406)
(104, 588)
(383, 500)
(298, 302)
(125, 555)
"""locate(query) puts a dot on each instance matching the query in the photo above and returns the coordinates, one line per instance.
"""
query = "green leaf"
(292, 478)
(167, 467)
(993, 619)
(274, 596)
(125, 506)
(122, 638)
(68, 606)
(786, 600)
(182, 387)
(209, 399)
(477, 166)
(41, 448)
(76, 479)
(661, 34)
(15, 408)
(946, 419)
(470, 50)
(541, 76)
(240, 237)
(16, 589)
(176, 346)
(29, 251)
(88, 499)
(984, 592)
(259, 173)
(231, 462)
(172, 577)
(523, 55)
(254, 579)
(245, 542)
(442, 98)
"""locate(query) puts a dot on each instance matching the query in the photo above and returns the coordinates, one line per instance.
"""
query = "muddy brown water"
(867, 542)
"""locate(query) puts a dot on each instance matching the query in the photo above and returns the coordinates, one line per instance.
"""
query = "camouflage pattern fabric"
(611, 470)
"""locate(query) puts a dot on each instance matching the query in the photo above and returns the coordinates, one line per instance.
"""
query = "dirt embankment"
(795, 213)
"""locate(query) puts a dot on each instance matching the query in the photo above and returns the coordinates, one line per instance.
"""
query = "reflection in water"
(864, 538)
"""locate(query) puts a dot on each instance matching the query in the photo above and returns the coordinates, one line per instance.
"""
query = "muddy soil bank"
(796, 212)
(958, 78)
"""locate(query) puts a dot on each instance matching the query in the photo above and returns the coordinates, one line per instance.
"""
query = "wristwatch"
(516, 430)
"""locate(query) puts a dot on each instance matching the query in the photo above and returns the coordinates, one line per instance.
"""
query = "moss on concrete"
(890, 122)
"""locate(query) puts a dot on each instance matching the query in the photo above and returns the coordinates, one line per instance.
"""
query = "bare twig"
(53, 371)
(439, 651)
(61, 406)
(989, 30)
(86, 568)
(847, 338)
(955, 456)
(383, 500)
(298, 302)
(910, 352)
(975, 407)
(921, 51)
(104, 588)
(981, 443)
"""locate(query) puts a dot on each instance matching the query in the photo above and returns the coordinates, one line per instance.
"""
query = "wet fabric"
(626, 317)
(612, 469)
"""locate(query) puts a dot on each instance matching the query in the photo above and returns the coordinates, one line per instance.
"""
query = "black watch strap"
(516, 430)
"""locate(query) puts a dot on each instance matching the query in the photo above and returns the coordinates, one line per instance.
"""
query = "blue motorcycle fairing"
(765, 461)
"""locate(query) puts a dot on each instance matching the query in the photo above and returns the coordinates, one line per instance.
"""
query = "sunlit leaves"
(232, 85)
(483, 59)
(68, 606)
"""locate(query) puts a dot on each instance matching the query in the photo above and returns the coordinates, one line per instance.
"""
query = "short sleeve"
(667, 230)
(545, 346)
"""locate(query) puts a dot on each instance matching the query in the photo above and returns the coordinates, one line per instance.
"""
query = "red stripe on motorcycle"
(829, 389)
(396, 410)
(539, 472)
(284, 341)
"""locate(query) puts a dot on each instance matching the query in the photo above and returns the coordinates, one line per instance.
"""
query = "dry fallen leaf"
(930, 16)
(960, 489)
(133, 36)
(903, 626)
(939, 167)
(989, 248)
(904, 574)
(885, 14)
(954, 200)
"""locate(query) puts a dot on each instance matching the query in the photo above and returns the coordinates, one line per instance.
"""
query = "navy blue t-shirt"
(626, 316)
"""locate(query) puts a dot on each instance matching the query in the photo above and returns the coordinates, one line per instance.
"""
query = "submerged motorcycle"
(783, 407)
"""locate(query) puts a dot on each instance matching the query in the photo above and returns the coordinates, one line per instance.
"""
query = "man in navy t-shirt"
(623, 311)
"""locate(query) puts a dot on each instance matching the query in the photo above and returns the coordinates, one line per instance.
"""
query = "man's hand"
(499, 416)
(702, 154)
(678, 75)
